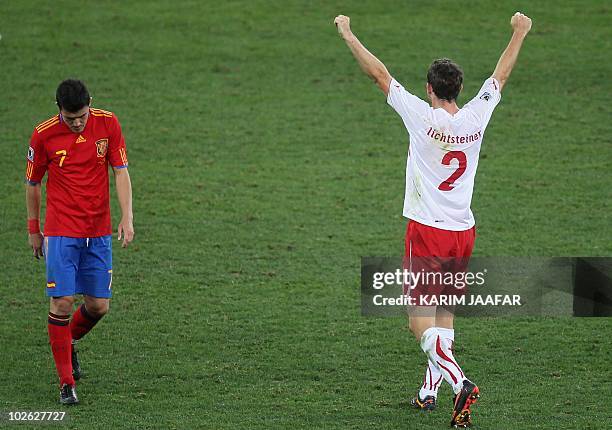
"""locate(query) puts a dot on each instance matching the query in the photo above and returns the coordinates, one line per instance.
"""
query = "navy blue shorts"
(79, 266)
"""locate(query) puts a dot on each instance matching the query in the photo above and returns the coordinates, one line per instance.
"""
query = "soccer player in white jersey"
(445, 142)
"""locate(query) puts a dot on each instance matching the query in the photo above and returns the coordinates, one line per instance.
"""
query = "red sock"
(60, 340)
(82, 322)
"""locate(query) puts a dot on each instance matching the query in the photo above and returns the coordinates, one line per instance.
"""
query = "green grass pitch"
(264, 165)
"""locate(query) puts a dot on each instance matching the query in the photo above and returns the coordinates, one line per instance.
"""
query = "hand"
(343, 23)
(520, 23)
(125, 231)
(36, 242)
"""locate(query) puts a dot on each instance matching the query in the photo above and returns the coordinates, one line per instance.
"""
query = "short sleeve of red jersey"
(37, 160)
(411, 108)
(485, 101)
(117, 153)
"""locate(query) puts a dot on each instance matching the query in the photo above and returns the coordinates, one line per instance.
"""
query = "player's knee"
(99, 308)
(62, 305)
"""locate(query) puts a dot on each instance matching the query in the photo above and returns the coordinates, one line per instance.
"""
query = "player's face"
(76, 121)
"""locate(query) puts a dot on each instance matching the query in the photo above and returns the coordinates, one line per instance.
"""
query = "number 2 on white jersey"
(447, 185)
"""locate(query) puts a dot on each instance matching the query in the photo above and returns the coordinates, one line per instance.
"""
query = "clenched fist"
(520, 23)
(343, 23)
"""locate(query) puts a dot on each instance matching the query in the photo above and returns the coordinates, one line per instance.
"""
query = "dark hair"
(445, 77)
(72, 95)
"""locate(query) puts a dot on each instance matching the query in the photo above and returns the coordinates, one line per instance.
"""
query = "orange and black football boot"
(428, 403)
(462, 415)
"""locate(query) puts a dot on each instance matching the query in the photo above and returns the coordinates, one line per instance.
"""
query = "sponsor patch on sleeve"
(486, 96)
(31, 154)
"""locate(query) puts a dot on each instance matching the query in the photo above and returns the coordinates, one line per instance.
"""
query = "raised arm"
(521, 24)
(371, 65)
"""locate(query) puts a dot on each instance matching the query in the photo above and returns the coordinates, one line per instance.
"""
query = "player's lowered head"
(73, 100)
(444, 83)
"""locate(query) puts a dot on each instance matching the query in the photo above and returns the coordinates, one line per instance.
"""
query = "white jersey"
(443, 155)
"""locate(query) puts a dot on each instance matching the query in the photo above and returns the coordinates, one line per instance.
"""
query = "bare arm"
(124, 194)
(521, 24)
(370, 65)
(35, 238)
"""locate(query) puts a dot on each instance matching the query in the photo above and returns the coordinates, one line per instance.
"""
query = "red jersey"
(77, 183)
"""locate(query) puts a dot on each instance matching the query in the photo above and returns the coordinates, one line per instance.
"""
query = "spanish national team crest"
(102, 146)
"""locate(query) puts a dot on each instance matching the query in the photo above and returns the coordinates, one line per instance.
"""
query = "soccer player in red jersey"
(445, 143)
(75, 148)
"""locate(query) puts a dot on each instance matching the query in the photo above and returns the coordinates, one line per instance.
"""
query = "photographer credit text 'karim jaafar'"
(489, 286)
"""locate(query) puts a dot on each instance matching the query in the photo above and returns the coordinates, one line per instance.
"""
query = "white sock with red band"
(431, 381)
(437, 343)
(433, 377)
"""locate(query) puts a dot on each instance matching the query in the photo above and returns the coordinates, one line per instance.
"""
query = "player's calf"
(83, 320)
(59, 339)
